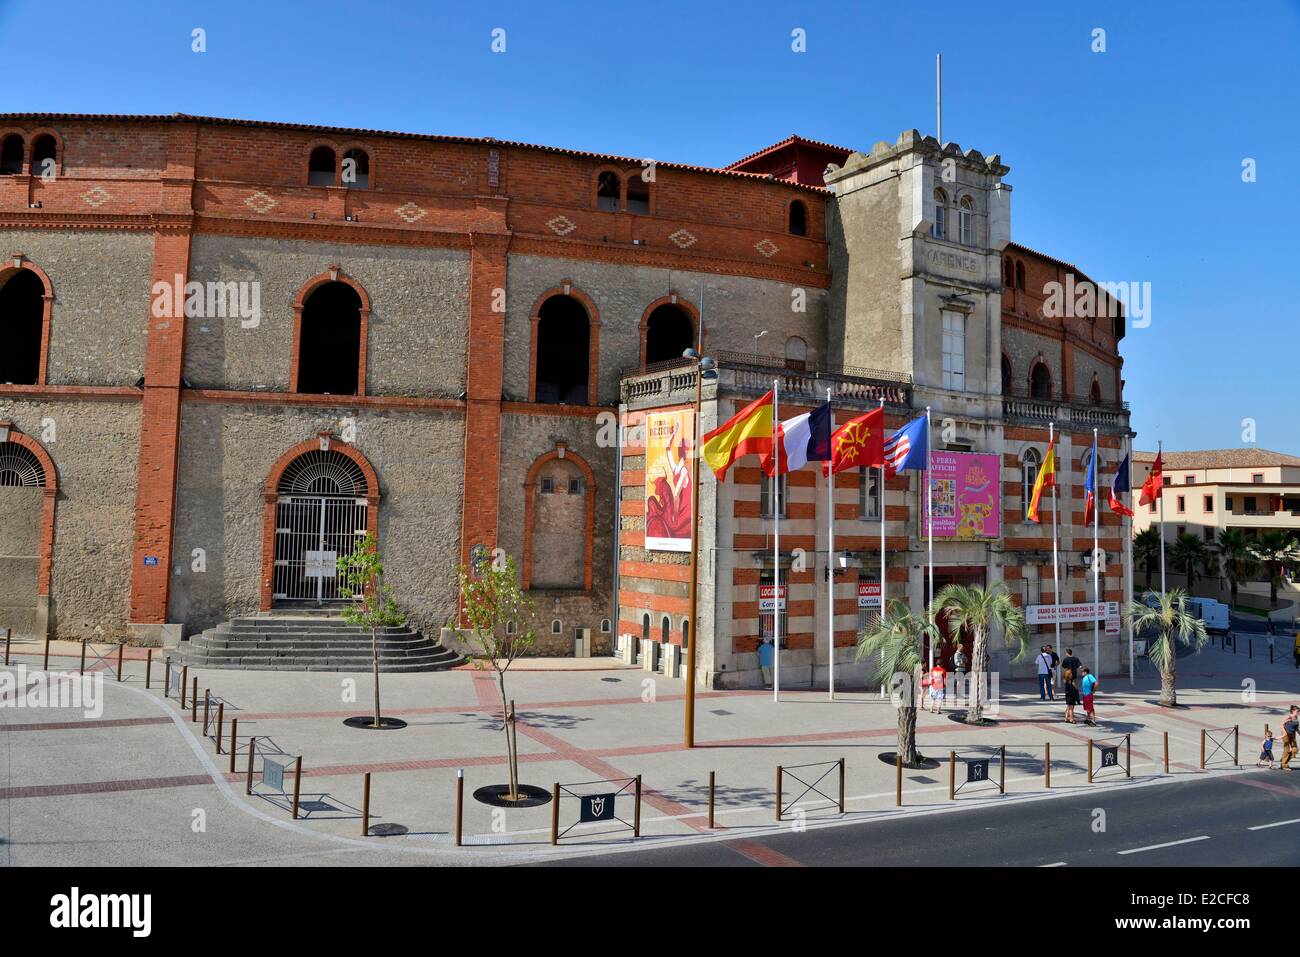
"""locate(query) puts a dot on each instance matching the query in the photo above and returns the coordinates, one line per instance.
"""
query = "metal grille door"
(311, 533)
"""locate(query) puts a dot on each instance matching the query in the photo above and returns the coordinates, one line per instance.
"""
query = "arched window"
(356, 169)
(11, 155)
(1006, 375)
(665, 630)
(1008, 274)
(645, 626)
(669, 333)
(563, 351)
(1020, 275)
(1095, 392)
(939, 229)
(45, 151)
(1086, 460)
(1029, 463)
(559, 521)
(966, 221)
(608, 189)
(1040, 381)
(22, 321)
(19, 467)
(798, 218)
(638, 195)
(686, 634)
(796, 353)
(321, 169)
(329, 348)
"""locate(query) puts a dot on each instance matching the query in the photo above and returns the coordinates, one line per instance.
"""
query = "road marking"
(1156, 847)
(1261, 827)
(1057, 864)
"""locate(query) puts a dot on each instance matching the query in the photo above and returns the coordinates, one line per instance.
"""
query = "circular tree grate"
(367, 723)
(498, 795)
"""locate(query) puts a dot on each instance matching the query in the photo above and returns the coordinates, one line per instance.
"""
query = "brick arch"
(1029, 382)
(271, 494)
(331, 274)
(58, 148)
(16, 263)
(50, 494)
(595, 186)
(567, 288)
(306, 158)
(672, 299)
(1011, 368)
(370, 158)
(561, 451)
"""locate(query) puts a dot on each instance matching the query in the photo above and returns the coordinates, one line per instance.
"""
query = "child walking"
(1266, 749)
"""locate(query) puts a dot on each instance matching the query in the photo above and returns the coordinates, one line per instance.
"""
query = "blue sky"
(1126, 162)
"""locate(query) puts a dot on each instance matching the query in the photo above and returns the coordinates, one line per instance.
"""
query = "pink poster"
(967, 496)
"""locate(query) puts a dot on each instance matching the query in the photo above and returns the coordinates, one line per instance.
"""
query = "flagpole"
(1096, 565)
(1160, 493)
(929, 522)
(881, 498)
(830, 557)
(1056, 575)
(1128, 557)
(776, 543)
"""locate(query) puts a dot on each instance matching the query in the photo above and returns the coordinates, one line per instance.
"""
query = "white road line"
(1156, 847)
(1057, 864)
(1261, 827)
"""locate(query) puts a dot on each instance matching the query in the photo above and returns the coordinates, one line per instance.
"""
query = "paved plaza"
(139, 784)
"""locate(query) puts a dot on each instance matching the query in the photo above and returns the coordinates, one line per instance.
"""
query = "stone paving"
(139, 784)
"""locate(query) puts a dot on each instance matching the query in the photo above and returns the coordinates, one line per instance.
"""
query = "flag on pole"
(858, 443)
(1046, 479)
(748, 431)
(907, 448)
(1120, 483)
(1155, 482)
(1090, 486)
(803, 439)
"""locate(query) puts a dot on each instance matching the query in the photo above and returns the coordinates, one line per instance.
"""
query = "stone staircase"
(311, 641)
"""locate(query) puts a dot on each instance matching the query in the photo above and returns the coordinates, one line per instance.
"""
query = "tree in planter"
(498, 612)
(1146, 551)
(979, 609)
(1274, 549)
(1173, 624)
(371, 600)
(1191, 554)
(896, 640)
(1238, 559)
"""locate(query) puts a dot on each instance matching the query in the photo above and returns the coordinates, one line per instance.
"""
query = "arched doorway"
(330, 341)
(668, 333)
(22, 323)
(322, 510)
(28, 489)
(563, 347)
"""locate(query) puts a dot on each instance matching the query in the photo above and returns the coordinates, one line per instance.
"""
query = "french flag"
(1120, 483)
(803, 439)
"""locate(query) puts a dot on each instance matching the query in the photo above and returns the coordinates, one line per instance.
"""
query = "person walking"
(1071, 697)
(1044, 663)
(1266, 749)
(938, 688)
(1070, 666)
(1088, 688)
(1288, 737)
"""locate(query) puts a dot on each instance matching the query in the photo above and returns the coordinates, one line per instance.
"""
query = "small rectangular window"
(1209, 533)
(575, 486)
(1209, 503)
(1250, 504)
(548, 486)
(1189, 479)
(1182, 504)
(868, 494)
(1257, 478)
(954, 351)
(765, 496)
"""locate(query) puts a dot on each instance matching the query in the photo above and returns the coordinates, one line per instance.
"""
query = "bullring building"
(233, 348)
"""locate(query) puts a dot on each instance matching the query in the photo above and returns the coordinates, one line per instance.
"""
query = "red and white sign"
(868, 594)
(765, 603)
(1085, 611)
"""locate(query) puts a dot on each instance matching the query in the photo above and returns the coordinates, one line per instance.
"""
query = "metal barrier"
(596, 806)
(102, 658)
(809, 787)
(1220, 744)
(978, 771)
(1110, 762)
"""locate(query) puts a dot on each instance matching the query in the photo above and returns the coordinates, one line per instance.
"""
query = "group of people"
(1290, 725)
(1077, 681)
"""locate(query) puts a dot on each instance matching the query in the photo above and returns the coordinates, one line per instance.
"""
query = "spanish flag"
(1046, 479)
(749, 430)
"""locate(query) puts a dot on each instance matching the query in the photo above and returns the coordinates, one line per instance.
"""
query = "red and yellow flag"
(858, 443)
(1046, 479)
(749, 430)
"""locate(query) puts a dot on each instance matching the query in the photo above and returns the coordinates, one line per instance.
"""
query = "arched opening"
(1040, 381)
(356, 169)
(966, 221)
(26, 524)
(796, 354)
(939, 230)
(321, 169)
(607, 192)
(22, 318)
(1029, 463)
(1006, 376)
(669, 333)
(563, 331)
(1020, 275)
(1008, 274)
(665, 630)
(11, 155)
(1094, 392)
(686, 634)
(638, 195)
(558, 523)
(329, 348)
(798, 218)
(45, 151)
(321, 513)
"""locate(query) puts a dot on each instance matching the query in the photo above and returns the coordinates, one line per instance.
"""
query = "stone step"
(308, 651)
(324, 664)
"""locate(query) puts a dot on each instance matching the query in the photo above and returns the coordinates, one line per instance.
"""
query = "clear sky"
(1126, 162)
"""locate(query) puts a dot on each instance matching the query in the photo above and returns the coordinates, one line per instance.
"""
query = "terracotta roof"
(788, 141)
(355, 131)
(1245, 458)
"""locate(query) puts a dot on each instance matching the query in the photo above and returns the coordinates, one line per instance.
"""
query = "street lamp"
(703, 366)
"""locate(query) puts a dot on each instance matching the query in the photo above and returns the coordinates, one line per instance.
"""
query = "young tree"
(1167, 616)
(498, 612)
(980, 609)
(1191, 554)
(896, 641)
(371, 600)
(1146, 551)
(1238, 559)
(1274, 549)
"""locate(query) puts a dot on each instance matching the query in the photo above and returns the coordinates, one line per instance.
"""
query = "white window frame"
(765, 495)
(954, 350)
(966, 221)
(1028, 475)
(869, 494)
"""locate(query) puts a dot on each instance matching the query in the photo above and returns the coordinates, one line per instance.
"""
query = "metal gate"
(311, 533)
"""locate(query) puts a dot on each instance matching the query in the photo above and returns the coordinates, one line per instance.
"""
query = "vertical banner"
(668, 463)
(966, 497)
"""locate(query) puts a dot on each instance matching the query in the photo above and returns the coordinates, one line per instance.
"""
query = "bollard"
(365, 806)
(778, 792)
(252, 746)
(1002, 769)
(636, 830)
(555, 814)
(1250, 648)
(1270, 652)
(167, 676)
(234, 746)
(460, 802)
(952, 775)
(45, 663)
(841, 785)
(194, 701)
(1128, 755)
(83, 656)
(297, 783)
(711, 780)
(9, 634)
(1236, 741)
(1090, 760)
(185, 671)
(1047, 764)
(221, 716)
(1202, 749)
(120, 646)
(207, 708)
(148, 669)
(898, 780)
(1166, 752)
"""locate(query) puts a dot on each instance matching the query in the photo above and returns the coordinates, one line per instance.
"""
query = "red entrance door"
(944, 651)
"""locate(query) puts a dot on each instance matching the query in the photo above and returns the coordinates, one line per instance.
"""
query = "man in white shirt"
(1044, 663)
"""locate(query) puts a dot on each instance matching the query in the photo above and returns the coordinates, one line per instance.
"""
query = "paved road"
(1214, 817)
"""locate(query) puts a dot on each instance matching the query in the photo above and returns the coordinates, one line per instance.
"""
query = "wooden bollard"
(460, 802)
(45, 662)
(221, 717)
(148, 669)
(207, 708)
(952, 775)
(194, 701)
(712, 775)
(555, 814)
(185, 670)
(234, 742)
(83, 656)
(778, 792)
(1090, 760)
(1047, 764)
(1250, 648)
(898, 780)
(365, 806)
(120, 645)
(1166, 752)
(297, 784)
(636, 828)
(9, 635)
(1002, 769)
(1202, 749)
(1128, 755)
(841, 785)
(252, 747)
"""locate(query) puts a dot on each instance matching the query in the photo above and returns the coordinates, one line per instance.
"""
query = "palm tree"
(1237, 556)
(1168, 617)
(1146, 550)
(1189, 551)
(979, 609)
(1274, 549)
(895, 640)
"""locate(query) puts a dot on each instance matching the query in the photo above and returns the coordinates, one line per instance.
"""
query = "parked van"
(1215, 614)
